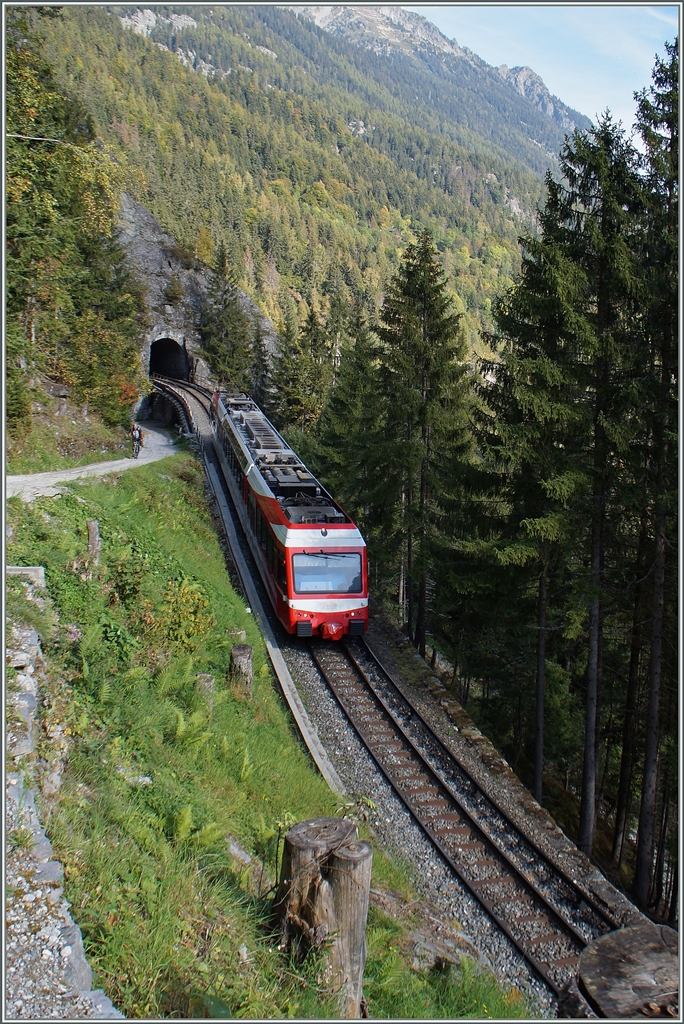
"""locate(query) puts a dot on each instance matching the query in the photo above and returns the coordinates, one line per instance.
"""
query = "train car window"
(336, 573)
(270, 551)
(282, 575)
(262, 530)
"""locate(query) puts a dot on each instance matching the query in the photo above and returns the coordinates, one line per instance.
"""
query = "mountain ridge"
(389, 29)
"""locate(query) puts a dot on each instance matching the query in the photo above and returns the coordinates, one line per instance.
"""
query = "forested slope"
(315, 162)
(74, 314)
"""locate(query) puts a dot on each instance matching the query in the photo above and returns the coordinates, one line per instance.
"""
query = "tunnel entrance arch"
(169, 359)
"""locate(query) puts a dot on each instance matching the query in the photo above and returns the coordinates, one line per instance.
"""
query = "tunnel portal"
(169, 359)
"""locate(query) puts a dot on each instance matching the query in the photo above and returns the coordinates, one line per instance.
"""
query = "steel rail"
(579, 894)
(546, 914)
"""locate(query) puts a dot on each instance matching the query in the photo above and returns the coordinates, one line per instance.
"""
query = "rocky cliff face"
(392, 30)
(530, 85)
(157, 260)
(381, 29)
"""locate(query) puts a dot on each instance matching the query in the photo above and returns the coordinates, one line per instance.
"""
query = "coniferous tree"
(351, 438)
(424, 389)
(600, 208)
(225, 329)
(261, 370)
(657, 122)
(531, 432)
(303, 373)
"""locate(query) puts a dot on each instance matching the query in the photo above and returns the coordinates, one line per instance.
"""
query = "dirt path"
(158, 444)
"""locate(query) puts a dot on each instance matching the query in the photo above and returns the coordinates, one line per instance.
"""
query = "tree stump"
(632, 972)
(206, 684)
(322, 900)
(94, 542)
(241, 669)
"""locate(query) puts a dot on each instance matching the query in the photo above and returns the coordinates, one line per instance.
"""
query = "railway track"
(543, 912)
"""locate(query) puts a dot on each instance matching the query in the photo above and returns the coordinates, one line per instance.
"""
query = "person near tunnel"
(136, 438)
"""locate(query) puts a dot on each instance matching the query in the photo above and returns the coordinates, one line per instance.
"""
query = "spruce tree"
(225, 329)
(566, 403)
(657, 122)
(424, 391)
(351, 438)
(261, 370)
(530, 432)
(303, 373)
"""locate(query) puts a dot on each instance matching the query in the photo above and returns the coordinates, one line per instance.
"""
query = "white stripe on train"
(329, 605)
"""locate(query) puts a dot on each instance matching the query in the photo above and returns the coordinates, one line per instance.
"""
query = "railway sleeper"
(422, 790)
(546, 937)
(485, 862)
(448, 833)
(564, 961)
(493, 881)
(524, 918)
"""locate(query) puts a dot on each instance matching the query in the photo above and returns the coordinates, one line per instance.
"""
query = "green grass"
(157, 779)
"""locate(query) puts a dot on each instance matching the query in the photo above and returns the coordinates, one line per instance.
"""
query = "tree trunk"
(660, 862)
(409, 559)
(541, 686)
(674, 898)
(420, 617)
(644, 856)
(588, 803)
(630, 721)
(322, 900)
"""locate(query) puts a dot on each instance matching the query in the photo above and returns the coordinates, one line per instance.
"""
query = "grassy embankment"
(173, 925)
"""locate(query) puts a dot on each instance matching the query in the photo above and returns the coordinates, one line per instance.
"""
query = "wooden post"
(206, 684)
(323, 899)
(94, 542)
(349, 874)
(241, 669)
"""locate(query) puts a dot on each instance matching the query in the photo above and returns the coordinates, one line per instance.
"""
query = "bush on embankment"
(173, 925)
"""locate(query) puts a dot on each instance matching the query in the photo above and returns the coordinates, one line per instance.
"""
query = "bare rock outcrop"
(176, 287)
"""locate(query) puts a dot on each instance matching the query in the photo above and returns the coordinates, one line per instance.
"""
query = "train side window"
(282, 575)
(270, 551)
(262, 530)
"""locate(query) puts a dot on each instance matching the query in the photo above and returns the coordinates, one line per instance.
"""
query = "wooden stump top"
(321, 835)
(624, 971)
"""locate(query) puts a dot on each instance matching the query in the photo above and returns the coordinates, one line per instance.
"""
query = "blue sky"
(592, 56)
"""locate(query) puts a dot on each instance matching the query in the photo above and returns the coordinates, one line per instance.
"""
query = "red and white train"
(310, 554)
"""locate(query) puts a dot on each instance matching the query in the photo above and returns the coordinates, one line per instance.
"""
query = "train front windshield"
(337, 573)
